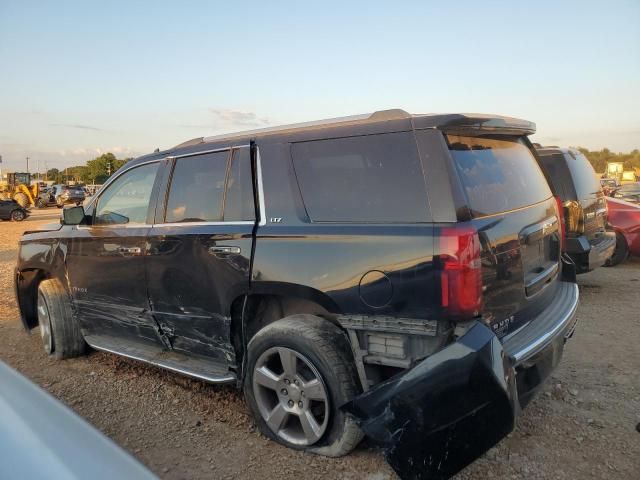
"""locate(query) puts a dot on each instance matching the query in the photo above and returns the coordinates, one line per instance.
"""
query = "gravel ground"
(582, 426)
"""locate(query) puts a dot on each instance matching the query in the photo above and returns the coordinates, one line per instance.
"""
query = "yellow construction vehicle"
(18, 186)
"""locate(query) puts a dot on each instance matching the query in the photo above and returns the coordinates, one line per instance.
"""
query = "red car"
(624, 217)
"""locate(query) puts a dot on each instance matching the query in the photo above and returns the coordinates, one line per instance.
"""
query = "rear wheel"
(299, 372)
(621, 252)
(59, 329)
(41, 203)
(22, 199)
(18, 215)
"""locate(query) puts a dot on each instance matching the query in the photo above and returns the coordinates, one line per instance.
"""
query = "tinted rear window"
(498, 173)
(583, 175)
(373, 178)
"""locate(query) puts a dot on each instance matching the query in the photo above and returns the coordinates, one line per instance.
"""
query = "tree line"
(600, 158)
(96, 171)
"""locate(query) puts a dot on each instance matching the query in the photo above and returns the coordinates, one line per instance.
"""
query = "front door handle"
(223, 250)
(130, 250)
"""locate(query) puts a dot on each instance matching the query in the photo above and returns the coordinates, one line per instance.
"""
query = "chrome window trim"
(263, 216)
(204, 152)
(202, 224)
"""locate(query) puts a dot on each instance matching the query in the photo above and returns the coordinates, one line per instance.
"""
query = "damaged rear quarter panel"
(441, 415)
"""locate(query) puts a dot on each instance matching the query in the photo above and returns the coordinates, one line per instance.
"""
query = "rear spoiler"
(477, 124)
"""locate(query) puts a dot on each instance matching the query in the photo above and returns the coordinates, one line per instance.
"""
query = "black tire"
(18, 215)
(328, 350)
(66, 340)
(621, 252)
(41, 203)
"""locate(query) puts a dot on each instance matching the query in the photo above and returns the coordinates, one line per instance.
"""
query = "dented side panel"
(441, 415)
(106, 274)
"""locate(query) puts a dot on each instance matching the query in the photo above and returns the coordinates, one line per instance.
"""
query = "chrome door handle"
(130, 251)
(219, 250)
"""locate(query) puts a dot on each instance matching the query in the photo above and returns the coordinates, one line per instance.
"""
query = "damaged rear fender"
(438, 417)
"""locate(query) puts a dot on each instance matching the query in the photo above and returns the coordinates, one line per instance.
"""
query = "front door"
(200, 251)
(106, 262)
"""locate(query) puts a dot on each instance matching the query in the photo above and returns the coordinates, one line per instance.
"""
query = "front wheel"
(18, 215)
(300, 370)
(60, 330)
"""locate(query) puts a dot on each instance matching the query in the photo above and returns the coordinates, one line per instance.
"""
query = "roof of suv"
(391, 120)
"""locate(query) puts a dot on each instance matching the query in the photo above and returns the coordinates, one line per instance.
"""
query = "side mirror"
(73, 215)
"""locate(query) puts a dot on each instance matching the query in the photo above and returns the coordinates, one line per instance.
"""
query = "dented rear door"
(199, 251)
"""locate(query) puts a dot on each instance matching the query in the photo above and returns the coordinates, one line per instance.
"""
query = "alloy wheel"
(45, 325)
(291, 396)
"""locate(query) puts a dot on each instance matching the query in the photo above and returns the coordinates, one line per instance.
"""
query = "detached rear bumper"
(590, 253)
(452, 407)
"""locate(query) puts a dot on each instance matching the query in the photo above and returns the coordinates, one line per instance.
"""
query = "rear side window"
(239, 205)
(368, 179)
(498, 173)
(583, 175)
(197, 188)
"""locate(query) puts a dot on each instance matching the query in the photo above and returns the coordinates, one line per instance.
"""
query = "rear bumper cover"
(438, 417)
(591, 253)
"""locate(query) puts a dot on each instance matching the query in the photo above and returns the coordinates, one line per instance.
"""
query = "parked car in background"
(11, 210)
(578, 191)
(60, 195)
(70, 194)
(609, 185)
(629, 192)
(381, 273)
(624, 218)
(42, 438)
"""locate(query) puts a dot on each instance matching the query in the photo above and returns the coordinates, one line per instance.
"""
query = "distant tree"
(100, 168)
(600, 158)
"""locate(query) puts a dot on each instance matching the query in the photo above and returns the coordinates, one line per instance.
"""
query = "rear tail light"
(561, 222)
(574, 216)
(461, 272)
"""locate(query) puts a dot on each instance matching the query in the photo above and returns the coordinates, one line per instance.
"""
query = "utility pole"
(27, 164)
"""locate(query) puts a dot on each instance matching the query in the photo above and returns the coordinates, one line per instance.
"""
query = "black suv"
(382, 273)
(584, 206)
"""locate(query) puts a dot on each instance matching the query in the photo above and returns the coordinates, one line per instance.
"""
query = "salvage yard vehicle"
(584, 208)
(624, 218)
(12, 210)
(629, 192)
(389, 274)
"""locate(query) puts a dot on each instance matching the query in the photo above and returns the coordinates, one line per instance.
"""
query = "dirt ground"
(584, 425)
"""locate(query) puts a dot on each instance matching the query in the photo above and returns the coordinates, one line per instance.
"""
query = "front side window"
(127, 199)
(197, 188)
(368, 179)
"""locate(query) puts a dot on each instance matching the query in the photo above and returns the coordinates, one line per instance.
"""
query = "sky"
(80, 78)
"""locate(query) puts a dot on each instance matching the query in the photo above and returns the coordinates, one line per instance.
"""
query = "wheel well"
(27, 293)
(258, 311)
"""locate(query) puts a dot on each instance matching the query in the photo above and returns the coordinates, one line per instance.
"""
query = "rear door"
(515, 214)
(200, 251)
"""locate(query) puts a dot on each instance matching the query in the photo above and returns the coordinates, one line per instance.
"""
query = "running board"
(193, 366)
